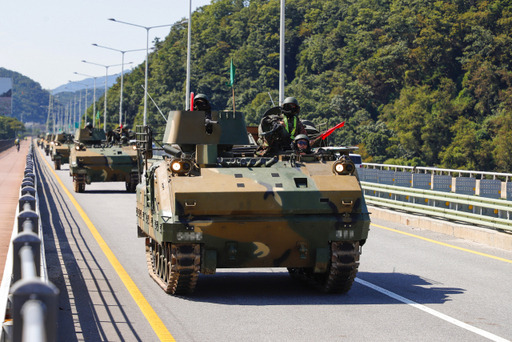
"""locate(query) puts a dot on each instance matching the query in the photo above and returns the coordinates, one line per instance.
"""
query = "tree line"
(418, 82)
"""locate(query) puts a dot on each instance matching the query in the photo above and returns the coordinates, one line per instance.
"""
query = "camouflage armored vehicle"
(61, 149)
(48, 142)
(40, 139)
(93, 159)
(211, 203)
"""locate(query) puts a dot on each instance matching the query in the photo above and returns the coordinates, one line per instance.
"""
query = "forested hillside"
(418, 82)
(29, 100)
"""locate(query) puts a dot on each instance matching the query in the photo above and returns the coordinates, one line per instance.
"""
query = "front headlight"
(181, 166)
(343, 167)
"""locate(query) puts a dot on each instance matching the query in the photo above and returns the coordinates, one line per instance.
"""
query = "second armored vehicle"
(61, 149)
(93, 159)
(211, 203)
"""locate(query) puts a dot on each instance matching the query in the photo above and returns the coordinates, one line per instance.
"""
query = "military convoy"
(211, 202)
(94, 159)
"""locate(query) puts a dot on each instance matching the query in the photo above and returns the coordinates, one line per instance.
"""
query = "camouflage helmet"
(300, 140)
(300, 137)
(291, 106)
(201, 102)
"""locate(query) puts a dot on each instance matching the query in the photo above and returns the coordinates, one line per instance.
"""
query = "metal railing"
(477, 197)
(27, 298)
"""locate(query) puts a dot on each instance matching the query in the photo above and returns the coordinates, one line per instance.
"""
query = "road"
(412, 285)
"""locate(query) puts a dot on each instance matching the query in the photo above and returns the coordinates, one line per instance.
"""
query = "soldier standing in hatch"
(202, 103)
(291, 123)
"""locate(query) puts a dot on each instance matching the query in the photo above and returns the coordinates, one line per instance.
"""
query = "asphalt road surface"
(412, 285)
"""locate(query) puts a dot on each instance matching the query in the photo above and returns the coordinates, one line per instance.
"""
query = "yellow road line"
(442, 243)
(150, 314)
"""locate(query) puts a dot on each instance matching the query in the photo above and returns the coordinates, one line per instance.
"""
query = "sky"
(47, 40)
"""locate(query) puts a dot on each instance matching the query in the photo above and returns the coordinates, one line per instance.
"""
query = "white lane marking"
(435, 313)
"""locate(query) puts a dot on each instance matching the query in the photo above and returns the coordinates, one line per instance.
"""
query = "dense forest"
(418, 82)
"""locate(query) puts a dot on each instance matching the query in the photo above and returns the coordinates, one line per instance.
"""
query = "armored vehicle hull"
(220, 207)
(61, 149)
(96, 161)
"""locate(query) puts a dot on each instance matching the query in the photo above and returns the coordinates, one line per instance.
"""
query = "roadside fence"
(477, 197)
(28, 299)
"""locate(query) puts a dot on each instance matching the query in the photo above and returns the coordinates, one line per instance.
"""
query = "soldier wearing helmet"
(202, 103)
(291, 123)
(301, 144)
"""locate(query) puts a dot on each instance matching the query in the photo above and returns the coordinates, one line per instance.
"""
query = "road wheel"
(57, 164)
(174, 267)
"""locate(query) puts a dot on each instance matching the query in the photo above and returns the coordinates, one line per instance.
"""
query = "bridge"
(427, 272)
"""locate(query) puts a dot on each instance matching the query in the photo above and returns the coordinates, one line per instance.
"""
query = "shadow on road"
(73, 268)
(264, 288)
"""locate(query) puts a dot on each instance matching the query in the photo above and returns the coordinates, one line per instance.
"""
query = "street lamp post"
(122, 77)
(93, 97)
(106, 80)
(147, 28)
(80, 101)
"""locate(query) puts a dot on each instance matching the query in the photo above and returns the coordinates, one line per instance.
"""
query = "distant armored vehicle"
(40, 139)
(61, 149)
(93, 159)
(211, 203)
(48, 142)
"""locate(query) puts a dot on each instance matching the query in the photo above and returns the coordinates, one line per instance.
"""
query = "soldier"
(202, 103)
(301, 144)
(280, 130)
(88, 125)
(291, 123)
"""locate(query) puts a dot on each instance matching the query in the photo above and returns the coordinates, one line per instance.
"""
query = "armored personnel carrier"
(93, 159)
(48, 142)
(61, 149)
(209, 202)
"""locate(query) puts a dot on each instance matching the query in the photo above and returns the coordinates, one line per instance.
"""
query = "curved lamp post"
(106, 80)
(93, 95)
(122, 77)
(147, 28)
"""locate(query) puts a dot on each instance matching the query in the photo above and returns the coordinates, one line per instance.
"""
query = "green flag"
(98, 115)
(231, 74)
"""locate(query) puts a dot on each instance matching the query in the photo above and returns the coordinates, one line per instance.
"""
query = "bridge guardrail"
(471, 196)
(28, 300)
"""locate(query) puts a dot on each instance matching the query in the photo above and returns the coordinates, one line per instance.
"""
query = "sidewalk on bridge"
(12, 167)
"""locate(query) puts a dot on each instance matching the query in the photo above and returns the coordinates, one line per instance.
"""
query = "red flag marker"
(330, 130)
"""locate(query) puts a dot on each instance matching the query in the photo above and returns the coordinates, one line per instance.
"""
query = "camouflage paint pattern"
(282, 212)
(62, 144)
(97, 161)
(276, 216)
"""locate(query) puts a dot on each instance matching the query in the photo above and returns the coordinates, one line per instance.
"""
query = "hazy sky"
(47, 40)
